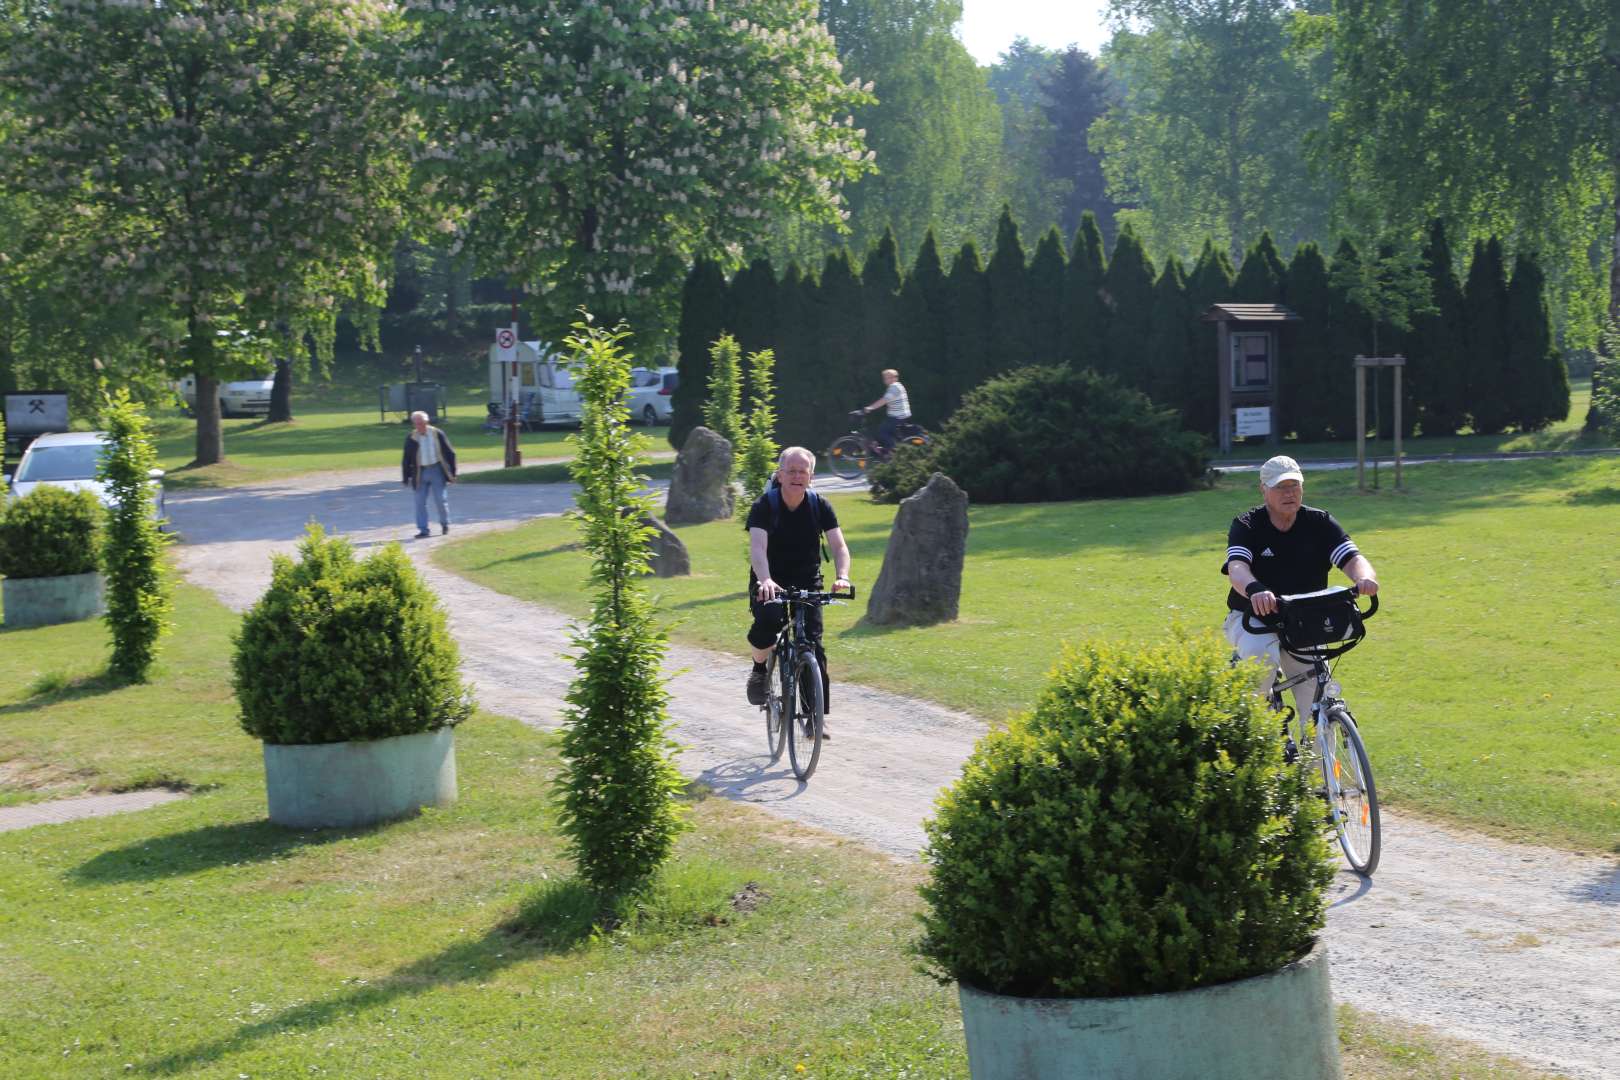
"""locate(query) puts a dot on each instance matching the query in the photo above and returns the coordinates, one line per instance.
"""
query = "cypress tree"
(1490, 384)
(844, 366)
(1128, 286)
(703, 319)
(1534, 366)
(879, 316)
(750, 312)
(1085, 315)
(1011, 343)
(1209, 283)
(798, 364)
(967, 342)
(1173, 359)
(1348, 333)
(924, 311)
(1262, 277)
(1046, 299)
(1436, 366)
(1307, 370)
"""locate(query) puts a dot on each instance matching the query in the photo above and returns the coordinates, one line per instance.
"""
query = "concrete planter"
(1271, 1027)
(348, 784)
(44, 601)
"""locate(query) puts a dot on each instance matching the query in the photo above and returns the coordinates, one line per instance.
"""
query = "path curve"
(1512, 947)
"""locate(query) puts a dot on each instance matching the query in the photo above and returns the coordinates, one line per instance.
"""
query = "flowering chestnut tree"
(591, 149)
(245, 165)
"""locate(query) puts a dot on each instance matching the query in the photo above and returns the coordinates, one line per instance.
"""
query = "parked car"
(652, 394)
(241, 397)
(69, 460)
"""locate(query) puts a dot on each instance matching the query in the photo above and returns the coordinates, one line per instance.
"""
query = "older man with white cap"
(1279, 548)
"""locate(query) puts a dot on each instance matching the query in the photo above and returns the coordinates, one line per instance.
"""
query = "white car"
(243, 397)
(652, 394)
(69, 460)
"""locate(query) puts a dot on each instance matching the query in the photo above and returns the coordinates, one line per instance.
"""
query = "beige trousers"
(1264, 647)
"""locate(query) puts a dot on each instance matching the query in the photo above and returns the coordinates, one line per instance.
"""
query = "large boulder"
(701, 488)
(921, 579)
(668, 554)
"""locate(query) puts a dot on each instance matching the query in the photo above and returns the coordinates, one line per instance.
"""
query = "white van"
(537, 381)
(242, 397)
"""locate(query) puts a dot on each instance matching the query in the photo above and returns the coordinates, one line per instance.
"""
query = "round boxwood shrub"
(1135, 832)
(339, 650)
(50, 532)
(1048, 434)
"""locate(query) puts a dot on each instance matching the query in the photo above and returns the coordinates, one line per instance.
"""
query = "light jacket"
(447, 456)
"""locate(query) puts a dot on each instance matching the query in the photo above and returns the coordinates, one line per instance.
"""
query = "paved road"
(1514, 948)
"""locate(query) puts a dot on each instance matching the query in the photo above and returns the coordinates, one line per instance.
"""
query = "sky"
(989, 26)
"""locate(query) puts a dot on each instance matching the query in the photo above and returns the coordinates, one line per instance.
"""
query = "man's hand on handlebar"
(1367, 586)
(768, 591)
(1264, 603)
(842, 585)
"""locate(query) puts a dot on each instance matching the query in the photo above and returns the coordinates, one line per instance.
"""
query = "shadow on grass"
(1607, 496)
(207, 848)
(559, 917)
(52, 689)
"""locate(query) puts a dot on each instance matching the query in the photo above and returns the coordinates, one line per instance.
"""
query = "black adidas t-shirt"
(1295, 561)
(794, 548)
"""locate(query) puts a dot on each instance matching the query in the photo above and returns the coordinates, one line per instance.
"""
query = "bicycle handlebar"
(811, 596)
(1268, 624)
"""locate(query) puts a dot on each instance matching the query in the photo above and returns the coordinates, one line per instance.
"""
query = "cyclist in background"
(1280, 548)
(898, 406)
(785, 527)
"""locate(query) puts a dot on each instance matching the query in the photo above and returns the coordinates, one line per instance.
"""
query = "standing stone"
(701, 489)
(669, 557)
(921, 579)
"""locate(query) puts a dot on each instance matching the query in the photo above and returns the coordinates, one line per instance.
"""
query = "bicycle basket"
(1324, 623)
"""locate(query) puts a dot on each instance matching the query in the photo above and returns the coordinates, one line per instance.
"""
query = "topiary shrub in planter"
(1046, 434)
(49, 549)
(340, 651)
(1133, 838)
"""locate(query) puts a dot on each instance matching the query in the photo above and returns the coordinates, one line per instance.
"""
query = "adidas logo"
(1266, 552)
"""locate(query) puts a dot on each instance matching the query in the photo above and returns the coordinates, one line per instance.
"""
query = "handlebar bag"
(1321, 618)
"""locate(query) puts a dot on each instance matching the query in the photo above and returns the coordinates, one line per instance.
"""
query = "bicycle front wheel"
(848, 456)
(804, 724)
(1351, 794)
(775, 715)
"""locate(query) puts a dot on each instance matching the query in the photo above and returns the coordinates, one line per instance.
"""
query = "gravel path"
(1514, 948)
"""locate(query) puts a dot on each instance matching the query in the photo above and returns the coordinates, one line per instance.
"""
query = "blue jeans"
(431, 479)
(889, 429)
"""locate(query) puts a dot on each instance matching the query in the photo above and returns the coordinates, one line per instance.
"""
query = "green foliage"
(1136, 832)
(1052, 433)
(759, 450)
(616, 794)
(340, 650)
(138, 593)
(905, 472)
(722, 412)
(50, 532)
(1535, 369)
(703, 319)
(1439, 372)
(1486, 338)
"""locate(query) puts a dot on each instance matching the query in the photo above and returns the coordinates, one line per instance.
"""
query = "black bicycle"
(853, 452)
(1315, 628)
(795, 701)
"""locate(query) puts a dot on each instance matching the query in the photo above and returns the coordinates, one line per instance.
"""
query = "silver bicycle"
(1315, 628)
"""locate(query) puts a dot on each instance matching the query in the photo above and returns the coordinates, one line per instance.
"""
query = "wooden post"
(1361, 424)
(1398, 368)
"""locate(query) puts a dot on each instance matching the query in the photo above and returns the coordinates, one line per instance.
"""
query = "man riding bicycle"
(1280, 548)
(785, 527)
(896, 406)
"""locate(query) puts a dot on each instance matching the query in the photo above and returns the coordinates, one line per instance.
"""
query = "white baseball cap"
(1278, 469)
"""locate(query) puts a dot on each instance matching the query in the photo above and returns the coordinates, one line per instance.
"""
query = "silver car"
(69, 459)
(652, 394)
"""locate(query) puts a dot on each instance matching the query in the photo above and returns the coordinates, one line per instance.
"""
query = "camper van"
(537, 381)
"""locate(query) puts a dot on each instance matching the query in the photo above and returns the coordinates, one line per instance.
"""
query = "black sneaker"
(756, 688)
(444, 528)
(423, 535)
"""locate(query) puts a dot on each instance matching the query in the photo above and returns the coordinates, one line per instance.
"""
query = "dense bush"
(50, 532)
(339, 650)
(906, 472)
(1044, 434)
(1135, 832)
(138, 604)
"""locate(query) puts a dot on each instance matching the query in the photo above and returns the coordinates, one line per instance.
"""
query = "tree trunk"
(210, 435)
(281, 393)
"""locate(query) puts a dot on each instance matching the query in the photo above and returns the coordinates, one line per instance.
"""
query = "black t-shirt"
(1295, 561)
(794, 548)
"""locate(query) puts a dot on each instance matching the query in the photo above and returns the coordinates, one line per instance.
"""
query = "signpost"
(506, 352)
(31, 413)
(1255, 420)
(1362, 363)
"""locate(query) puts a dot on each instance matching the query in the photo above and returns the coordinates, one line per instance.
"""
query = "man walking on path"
(429, 466)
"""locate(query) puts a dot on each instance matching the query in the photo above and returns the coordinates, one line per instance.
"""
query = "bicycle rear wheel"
(775, 722)
(1351, 794)
(848, 456)
(804, 724)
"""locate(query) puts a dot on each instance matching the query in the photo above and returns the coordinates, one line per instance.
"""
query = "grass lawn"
(1486, 688)
(195, 939)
